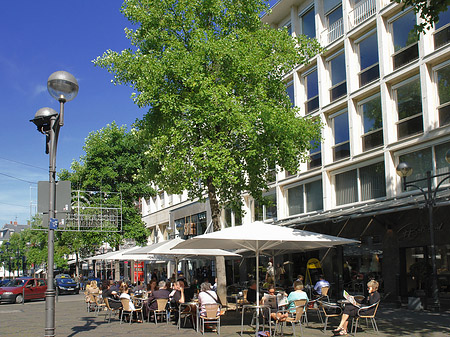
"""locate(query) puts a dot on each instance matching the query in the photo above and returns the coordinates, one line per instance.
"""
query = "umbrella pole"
(257, 289)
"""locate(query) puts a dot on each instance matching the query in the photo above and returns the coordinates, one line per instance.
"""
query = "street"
(72, 319)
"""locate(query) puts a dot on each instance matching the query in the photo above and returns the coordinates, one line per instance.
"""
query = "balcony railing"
(335, 31)
(361, 12)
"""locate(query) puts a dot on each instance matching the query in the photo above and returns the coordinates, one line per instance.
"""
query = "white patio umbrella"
(259, 236)
(167, 248)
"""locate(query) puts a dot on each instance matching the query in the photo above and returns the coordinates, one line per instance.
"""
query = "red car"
(33, 288)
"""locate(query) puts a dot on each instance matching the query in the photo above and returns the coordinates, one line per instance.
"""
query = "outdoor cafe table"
(255, 307)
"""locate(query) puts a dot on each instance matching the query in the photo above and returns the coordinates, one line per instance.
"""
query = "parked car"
(32, 288)
(66, 285)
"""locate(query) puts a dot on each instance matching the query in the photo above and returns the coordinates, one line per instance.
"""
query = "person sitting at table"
(113, 299)
(351, 310)
(297, 294)
(92, 289)
(124, 293)
(152, 285)
(270, 298)
(320, 284)
(160, 293)
(251, 293)
(206, 296)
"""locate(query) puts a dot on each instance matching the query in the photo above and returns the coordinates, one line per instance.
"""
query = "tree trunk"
(220, 260)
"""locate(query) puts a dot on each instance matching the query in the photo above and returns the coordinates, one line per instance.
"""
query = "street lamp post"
(63, 87)
(7, 244)
(404, 171)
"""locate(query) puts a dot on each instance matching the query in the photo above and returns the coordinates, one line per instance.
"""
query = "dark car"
(66, 285)
(14, 291)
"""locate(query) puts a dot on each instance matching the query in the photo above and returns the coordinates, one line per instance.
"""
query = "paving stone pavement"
(72, 319)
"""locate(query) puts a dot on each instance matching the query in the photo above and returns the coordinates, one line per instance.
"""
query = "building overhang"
(369, 209)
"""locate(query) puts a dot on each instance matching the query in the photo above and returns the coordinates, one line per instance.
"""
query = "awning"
(372, 208)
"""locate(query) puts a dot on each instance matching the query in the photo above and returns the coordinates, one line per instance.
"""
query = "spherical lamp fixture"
(63, 86)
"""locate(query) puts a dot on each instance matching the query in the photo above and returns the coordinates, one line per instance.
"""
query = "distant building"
(10, 228)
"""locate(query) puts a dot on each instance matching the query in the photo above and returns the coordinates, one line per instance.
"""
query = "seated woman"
(297, 294)
(113, 299)
(206, 296)
(351, 310)
(124, 294)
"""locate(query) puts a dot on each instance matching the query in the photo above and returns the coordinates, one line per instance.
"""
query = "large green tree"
(212, 76)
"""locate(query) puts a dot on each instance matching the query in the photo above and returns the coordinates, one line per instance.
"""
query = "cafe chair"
(313, 307)
(293, 318)
(161, 310)
(99, 304)
(91, 302)
(126, 310)
(188, 310)
(110, 310)
(361, 314)
(329, 310)
(212, 316)
(324, 292)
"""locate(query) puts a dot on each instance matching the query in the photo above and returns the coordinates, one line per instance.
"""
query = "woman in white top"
(124, 294)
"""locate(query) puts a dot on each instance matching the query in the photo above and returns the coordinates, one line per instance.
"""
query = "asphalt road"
(72, 319)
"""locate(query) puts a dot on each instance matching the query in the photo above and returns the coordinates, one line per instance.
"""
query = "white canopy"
(167, 248)
(259, 236)
(122, 254)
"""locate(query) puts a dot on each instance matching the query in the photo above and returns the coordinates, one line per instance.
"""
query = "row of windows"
(405, 50)
(354, 185)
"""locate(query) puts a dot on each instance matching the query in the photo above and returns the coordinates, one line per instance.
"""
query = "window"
(308, 23)
(405, 39)
(315, 155)
(361, 184)
(290, 92)
(232, 217)
(409, 108)
(442, 32)
(346, 188)
(362, 10)
(305, 197)
(442, 78)
(338, 77)
(334, 22)
(340, 127)
(311, 84)
(268, 209)
(288, 26)
(421, 162)
(428, 159)
(368, 59)
(370, 110)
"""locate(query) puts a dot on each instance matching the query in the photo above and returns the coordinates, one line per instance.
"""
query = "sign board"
(63, 196)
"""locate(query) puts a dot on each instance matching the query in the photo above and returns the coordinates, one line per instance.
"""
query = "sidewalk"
(73, 320)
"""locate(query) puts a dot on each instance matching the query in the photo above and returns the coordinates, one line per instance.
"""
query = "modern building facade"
(382, 93)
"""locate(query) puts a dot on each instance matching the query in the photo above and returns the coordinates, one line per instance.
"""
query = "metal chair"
(329, 310)
(293, 318)
(161, 310)
(212, 316)
(313, 306)
(361, 314)
(110, 310)
(183, 313)
(99, 303)
(129, 311)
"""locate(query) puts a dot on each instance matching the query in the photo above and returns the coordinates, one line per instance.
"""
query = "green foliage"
(112, 162)
(428, 10)
(211, 75)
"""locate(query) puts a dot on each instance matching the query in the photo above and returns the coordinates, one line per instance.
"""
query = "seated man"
(160, 293)
(113, 298)
(320, 284)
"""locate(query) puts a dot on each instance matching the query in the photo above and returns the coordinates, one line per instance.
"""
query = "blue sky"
(37, 39)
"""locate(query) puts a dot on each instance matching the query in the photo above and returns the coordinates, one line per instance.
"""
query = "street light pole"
(404, 171)
(63, 87)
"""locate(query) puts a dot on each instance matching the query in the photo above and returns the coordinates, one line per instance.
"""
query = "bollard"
(23, 295)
